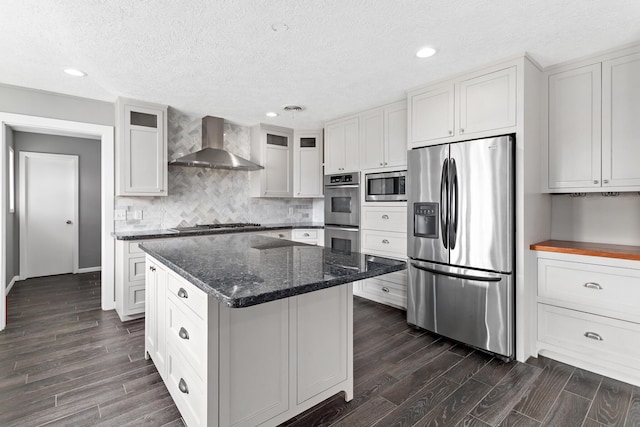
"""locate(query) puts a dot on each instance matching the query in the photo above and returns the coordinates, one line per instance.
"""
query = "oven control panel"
(342, 179)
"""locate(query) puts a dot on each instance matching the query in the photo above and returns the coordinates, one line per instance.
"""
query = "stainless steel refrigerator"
(461, 242)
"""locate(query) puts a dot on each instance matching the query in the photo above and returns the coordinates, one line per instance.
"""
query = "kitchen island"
(248, 330)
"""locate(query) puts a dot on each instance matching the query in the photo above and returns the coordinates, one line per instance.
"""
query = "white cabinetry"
(384, 233)
(342, 146)
(383, 136)
(591, 137)
(307, 163)
(312, 236)
(589, 313)
(272, 148)
(155, 344)
(472, 106)
(130, 279)
(141, 148)
(259, 365)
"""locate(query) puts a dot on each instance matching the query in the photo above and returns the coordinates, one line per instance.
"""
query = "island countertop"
(241, 270)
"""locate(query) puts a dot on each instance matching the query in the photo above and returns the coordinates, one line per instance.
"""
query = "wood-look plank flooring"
(63, 361)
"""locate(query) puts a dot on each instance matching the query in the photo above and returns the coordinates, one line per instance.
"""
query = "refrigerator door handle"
(444, 203)
(453, 204)
(488, 277)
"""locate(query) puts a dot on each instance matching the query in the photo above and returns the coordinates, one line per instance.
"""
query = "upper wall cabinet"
(307, 163)
(272, 148)
(383, 137)
(574, 128)
(591, 138)
(141, 148)
(342, 146)
(474, 106)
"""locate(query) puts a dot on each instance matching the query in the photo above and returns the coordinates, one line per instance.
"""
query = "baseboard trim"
(11, 283)
(89, 269)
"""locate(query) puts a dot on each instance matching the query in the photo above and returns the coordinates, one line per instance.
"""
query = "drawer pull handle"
(593, 285)
(385, 289)
(593, 336)
(306, 234)
(385, 216)
(182, 385)
(182, 293)
(183, 334)
(152, 268)
(385, 241)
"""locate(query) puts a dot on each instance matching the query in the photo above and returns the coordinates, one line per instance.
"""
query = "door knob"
(69, 221)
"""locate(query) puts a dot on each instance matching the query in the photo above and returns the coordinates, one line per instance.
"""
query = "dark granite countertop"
(242, 270)
(161, 234)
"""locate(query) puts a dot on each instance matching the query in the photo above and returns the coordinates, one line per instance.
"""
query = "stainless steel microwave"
(386, 186)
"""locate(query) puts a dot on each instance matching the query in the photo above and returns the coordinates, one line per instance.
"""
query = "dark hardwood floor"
(63, 361)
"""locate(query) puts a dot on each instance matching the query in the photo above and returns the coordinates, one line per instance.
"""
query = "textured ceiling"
(222, 58)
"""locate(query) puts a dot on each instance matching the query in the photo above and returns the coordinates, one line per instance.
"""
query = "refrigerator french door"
(461, 242)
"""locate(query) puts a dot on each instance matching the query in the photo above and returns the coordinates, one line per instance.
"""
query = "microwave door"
(428, 202)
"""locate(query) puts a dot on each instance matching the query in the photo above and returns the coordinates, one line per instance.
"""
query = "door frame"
(25, 123)
(22, 209)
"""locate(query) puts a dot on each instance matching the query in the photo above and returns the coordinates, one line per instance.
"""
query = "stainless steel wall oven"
(342, 212)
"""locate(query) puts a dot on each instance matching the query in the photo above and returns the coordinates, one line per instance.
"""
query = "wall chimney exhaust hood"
(212, 155)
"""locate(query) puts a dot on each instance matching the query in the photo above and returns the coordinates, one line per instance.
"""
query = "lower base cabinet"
(253, 366)
(589, 313)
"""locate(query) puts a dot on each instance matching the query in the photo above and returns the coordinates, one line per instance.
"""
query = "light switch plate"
(119, 215)
(137, 214)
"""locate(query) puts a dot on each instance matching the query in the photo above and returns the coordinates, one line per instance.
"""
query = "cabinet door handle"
(183, 333)
(152, 268)
(593, 336)
(605, 181)
(182, 385)
(381, 164)
(461, 130)
(595, 181)
(450, 132)
(592, 285)
(281, 236)
(385, 241)
(182, 293)
(385, 289)
(385, 216)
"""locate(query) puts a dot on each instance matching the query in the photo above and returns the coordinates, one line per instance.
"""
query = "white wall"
(596, 218)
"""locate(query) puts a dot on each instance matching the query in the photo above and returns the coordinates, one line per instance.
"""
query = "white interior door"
(48, 214)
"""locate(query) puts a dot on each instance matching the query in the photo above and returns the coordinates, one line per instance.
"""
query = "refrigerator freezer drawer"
(470, 306)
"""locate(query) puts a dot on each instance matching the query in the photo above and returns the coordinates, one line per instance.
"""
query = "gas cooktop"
(203, 227)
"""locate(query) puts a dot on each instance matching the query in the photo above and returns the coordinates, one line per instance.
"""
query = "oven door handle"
(329, 187)
(479, 277)
(341, 228)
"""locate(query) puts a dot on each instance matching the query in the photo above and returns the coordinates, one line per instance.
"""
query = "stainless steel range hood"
(212, 155)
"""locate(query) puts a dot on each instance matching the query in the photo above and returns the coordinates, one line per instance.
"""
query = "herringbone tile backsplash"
(200, 196)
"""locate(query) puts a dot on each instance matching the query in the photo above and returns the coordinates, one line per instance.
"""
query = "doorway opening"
(23, 123)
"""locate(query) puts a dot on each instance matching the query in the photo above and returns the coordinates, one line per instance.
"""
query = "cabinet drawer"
(597, 286)
(188, 295)
(279, 234)
(136, 269)
(385, 219)
(192, 400)
(384, 292)
(305, 235)
(135, 302)
(598, 337)
(187, 334)
(384, 242)
(133, 248)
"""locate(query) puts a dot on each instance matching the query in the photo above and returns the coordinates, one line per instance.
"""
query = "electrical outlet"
(119, 215)
(137, 214)
(290, 211)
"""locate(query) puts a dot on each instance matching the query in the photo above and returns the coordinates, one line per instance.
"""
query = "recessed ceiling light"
(75, 73)
(272, 114)
(425, 52)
